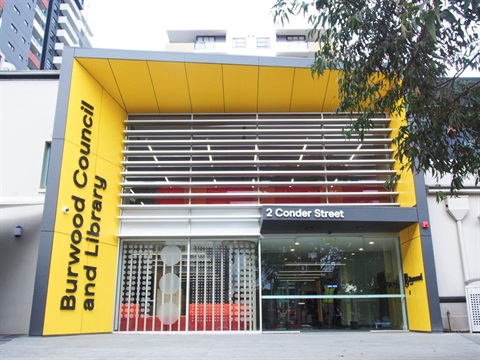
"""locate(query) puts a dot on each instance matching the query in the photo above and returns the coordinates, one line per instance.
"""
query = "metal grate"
(254, 159)
(166, 287)
(473, 303)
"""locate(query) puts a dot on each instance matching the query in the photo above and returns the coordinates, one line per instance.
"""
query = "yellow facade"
(416, 292)
(81, 283)
(411, 248)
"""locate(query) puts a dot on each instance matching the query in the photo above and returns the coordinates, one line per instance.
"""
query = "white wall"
(27, 109)
(445, 237)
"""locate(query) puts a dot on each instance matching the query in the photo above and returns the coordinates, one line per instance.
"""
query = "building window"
(20, 57)
(14, 28)
(16, 10)
(29, 6)
(25, 22)
(205, 43)
(263, 42)
(10, 45)
(296, 38)
(297, 41)
(239, 43)
(46, 164)
(24, 40)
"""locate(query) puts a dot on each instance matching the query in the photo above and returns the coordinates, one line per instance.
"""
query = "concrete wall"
(27, 108)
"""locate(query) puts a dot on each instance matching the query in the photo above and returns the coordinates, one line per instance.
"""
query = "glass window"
(239, 43)
(16, 10)
(14, 28)
(46, 164)
(295, 41)
(205, 43)
(296, 38)
(331, 282)
(263, 42)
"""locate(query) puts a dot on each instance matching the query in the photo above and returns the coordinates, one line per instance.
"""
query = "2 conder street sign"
(331, 218)
(302, 213)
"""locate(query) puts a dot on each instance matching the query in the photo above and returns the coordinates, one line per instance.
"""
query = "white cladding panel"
(27, 111)
(201, 221)
(446, 247)
(445, 238)
(27, 114)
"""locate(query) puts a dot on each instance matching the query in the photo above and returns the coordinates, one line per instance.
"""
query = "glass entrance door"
(332, 282)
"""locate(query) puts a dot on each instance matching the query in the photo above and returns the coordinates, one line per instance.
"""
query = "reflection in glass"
(331, 283)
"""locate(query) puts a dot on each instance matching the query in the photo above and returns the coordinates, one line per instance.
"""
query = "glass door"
(332, 282)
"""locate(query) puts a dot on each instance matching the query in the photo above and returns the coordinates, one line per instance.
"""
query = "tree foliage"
(405, 57)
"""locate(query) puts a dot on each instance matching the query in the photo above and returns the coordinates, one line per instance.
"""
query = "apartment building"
(34, 32)
(272, 42)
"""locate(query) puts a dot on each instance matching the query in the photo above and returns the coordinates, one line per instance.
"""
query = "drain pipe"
(448, 318)
(457, 208)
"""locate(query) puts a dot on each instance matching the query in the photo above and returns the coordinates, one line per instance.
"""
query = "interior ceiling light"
(299, 272)
(314, 264)
(358, 148)
(209, 156)
(360, 249)
(301, 155)
(298, 280)
(150, 148)
(371, 242)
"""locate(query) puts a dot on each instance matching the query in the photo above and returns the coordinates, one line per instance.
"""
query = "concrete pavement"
(305, 345)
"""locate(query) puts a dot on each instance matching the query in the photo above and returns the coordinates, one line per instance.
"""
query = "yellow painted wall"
(416, 294)
(411, 248)
(90, 188)
(405, 185)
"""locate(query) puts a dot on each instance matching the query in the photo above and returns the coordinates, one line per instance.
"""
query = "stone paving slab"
(314, 345)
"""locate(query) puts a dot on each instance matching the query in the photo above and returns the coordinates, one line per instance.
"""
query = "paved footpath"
(298, 346)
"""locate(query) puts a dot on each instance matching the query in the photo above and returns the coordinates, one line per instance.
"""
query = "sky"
(118, 24)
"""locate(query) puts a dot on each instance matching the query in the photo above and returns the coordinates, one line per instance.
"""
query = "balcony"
(66, 26)
(65, 38)
(33, 61)
(35, 46)
(71, 16)
(57, 62)
(38, 31)
(40, 17)
(59, 48)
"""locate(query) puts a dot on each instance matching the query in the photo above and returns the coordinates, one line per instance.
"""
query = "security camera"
(65, 209)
